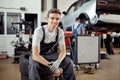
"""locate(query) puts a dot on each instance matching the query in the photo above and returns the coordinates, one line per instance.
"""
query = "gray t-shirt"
(49, 36)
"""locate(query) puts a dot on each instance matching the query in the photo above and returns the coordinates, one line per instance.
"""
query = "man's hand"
(55, 66)
(57, 73)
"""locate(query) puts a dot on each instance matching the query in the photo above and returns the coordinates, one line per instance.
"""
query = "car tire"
(23, 65)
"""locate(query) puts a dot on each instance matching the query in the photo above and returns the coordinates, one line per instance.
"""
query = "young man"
(78, 27)
(43, 58)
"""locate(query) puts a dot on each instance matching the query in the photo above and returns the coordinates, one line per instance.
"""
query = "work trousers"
(38, 71)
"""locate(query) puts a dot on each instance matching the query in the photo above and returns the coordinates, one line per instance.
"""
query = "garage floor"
(109, 69)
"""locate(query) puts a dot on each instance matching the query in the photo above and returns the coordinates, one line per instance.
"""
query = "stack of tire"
(23, 66)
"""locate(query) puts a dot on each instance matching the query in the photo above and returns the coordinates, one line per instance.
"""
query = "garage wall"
(31, 6)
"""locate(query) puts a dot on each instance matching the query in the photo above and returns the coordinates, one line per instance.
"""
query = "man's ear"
(46, 18)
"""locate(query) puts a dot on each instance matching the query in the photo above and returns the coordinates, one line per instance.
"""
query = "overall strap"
(43, 35)
(75, 30)
(77, 26)
(57, 35)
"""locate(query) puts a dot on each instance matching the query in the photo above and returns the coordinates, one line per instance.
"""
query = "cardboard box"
(89, 69)
(3, 56)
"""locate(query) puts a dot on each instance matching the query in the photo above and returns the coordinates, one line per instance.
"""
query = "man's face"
(53, 20)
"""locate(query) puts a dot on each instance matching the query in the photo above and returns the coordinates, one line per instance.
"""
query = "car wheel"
(23, 65)
(85, 20)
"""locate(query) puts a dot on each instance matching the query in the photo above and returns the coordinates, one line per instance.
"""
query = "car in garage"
(108, 12)
(98, 15)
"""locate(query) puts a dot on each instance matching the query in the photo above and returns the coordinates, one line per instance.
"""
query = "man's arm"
(37, 57)
(62, 46)
(62, 52)
(36, 47)
(61, 56)
(83, 32)
(54, 67)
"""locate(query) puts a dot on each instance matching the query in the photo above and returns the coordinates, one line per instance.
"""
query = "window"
(1, 23)
(31, 19)
(13, 18)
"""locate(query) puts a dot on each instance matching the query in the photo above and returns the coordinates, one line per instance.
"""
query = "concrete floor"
(109, 69)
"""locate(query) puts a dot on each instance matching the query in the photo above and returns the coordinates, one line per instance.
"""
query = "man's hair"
(54, 10)
(77, 18)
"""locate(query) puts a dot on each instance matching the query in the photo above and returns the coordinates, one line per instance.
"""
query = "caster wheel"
(77, 67)
(97, 66)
